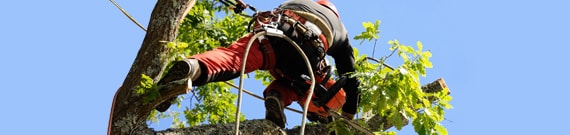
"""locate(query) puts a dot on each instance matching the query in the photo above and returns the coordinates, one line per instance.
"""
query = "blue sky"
(505, 61)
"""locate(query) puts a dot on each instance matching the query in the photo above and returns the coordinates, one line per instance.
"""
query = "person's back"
(340, 34)
(288, 59)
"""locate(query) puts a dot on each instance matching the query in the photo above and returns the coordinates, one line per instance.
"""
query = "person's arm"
(344, 60)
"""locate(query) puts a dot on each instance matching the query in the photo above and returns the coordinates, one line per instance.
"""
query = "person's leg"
(223, 64)
(181, 69)
(278, 95)
(220, 64)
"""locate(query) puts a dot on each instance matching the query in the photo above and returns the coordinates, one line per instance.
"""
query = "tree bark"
(248, 127)
(129, 113)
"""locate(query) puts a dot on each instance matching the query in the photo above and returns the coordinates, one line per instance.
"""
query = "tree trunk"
(128, 114)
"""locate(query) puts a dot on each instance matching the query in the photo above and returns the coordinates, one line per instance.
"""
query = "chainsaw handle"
(331, 92)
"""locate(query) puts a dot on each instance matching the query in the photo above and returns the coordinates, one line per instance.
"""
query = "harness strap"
(313, 29)
(306, 16)
(268, 53)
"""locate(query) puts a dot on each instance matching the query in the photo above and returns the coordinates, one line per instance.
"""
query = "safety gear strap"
(306, 16)
(268, 53)
(312, 29)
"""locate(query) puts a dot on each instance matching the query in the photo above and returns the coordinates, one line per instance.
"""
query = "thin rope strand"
(127, 14)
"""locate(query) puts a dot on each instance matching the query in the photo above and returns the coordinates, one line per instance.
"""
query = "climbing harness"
(310, 27)
(314, 32)
(268, 24)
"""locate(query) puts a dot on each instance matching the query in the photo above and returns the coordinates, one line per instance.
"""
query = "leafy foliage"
(201, 30)
(339, 127)
(264, 76)
(217, 105)
(396, 94)
(393, 93)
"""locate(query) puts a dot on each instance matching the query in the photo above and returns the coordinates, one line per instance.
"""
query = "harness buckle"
(269, 22)
(271, 29)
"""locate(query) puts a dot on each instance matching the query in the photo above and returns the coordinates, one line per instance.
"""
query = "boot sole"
(178, 71)
(274, 111)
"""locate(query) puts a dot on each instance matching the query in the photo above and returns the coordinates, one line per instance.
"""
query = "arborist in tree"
(317, 29)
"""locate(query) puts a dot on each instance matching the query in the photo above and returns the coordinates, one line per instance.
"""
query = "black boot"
(274, 109)
(188, 68)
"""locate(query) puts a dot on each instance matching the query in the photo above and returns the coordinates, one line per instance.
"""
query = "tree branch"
(248, 127)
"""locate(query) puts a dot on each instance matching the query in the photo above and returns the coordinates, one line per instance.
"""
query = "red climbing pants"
(223, 64)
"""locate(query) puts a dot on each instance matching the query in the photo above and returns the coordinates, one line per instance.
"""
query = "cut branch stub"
(435, 86)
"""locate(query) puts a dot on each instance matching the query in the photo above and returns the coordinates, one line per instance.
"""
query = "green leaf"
(420, 46)
(339, 127)
(370, 33)
(440, 129)
(147, 89)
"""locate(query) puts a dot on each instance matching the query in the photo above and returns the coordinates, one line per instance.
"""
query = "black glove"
(240, 6)
(352, 95)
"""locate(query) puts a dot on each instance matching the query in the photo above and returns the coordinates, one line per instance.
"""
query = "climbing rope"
(128, 15)
(242, 73)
